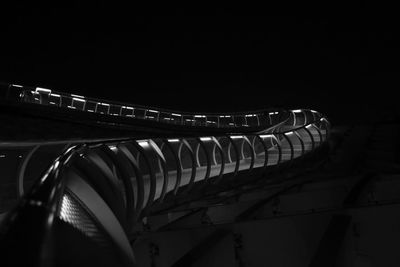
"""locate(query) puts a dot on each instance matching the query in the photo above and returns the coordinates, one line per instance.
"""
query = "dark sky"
(225, 58)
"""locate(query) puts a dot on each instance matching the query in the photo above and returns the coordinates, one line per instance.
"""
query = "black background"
(210, 59)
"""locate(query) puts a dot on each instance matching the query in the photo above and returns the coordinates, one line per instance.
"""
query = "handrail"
(49, 97)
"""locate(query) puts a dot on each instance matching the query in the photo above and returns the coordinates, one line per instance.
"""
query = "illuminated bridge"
(117, 184)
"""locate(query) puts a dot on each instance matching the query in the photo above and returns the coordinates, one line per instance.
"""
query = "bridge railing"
(48, 97)
(168, 165)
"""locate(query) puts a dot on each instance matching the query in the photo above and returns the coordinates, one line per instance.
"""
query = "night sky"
(222, 59)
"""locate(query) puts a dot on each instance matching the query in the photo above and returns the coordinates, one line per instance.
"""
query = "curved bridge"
(105, 189)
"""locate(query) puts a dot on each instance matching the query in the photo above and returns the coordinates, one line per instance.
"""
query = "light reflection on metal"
(297, 111)
(205, 138)
(173, 140)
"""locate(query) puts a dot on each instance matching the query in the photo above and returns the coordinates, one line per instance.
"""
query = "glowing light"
(173, 140)
(297, 111)
(266, 135)
(174, 114)
(251, 115)
(143, 143)
(150, 110)
(113, 148)
(211, 122)
(17, 85)
(72, 107)
(205, 138)
(2, 156)
(309, 126)
(199, 116)
(104, 104)
(273, 113)
(39, 89)
(236, 136)
(90, 110)
(289, 133)
(224, 116)
(313, 111)
(131, 108)
(56, 95)
(78, 99)
(77, 96)
(53, 103)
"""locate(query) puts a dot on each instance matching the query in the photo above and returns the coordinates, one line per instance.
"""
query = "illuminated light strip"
(53, 103)
(2, 156)
(174, 114)
(71, 107)
(151, 110)
(173, 140)
(266, 135)
(143, 143)
(56, 95)
(205, 138)
(309, 126)
(77, 96)
(131, 108)
(297, 111)
(189, 120)
(289, 133)
(251, 115)
(211, 122)
(273, 113)
(104, 104)
(224, 116)
(236, 136)
(129, 115)
(199, 116)
(150, 117)
(39, 89)
(168, 119)
(90, 110)
(112, 147)
(17, 85)
(78, 99)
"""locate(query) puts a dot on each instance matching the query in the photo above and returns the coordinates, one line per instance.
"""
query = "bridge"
(156, 187)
